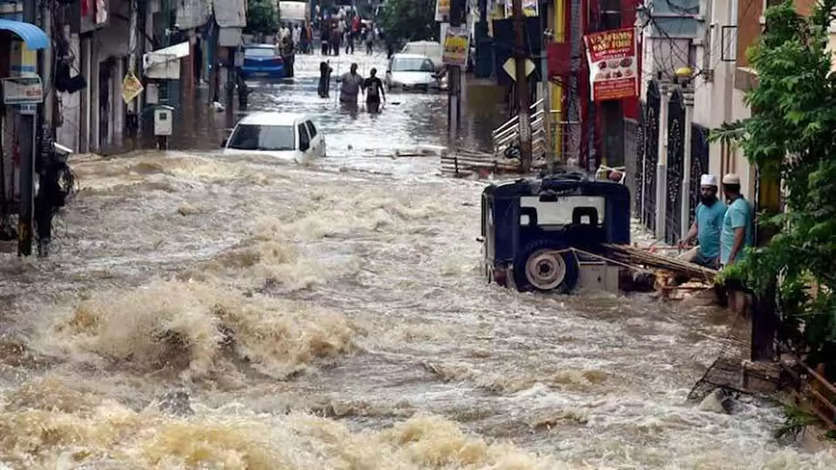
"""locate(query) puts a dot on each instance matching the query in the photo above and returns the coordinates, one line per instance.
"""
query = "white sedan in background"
(286, 136)
(411, 72)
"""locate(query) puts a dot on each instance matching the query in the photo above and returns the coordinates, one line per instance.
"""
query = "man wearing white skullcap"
(738, 223)
(708, 223)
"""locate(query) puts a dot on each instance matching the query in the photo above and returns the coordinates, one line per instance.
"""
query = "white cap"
(708, 180)
(731, 178)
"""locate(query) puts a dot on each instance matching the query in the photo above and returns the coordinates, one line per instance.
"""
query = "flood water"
(202, 311)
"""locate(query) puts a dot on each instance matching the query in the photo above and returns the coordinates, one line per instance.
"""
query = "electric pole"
(522, 87)
(28, 148)
(457, 13)
(548, 128)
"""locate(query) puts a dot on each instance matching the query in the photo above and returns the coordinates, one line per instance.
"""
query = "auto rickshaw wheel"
(545, 266)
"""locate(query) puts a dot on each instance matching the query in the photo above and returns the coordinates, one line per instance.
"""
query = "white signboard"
(23, 90)
(293, 11)
(164, 64)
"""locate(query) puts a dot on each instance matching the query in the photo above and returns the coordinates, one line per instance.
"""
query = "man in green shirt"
(708, 222)
(738, 224)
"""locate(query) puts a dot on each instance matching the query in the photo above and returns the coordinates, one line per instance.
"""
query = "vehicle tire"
(537, 268)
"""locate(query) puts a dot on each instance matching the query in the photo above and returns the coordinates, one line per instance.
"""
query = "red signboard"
(613, 68)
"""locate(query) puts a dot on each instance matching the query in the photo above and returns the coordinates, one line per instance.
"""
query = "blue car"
(262, 61)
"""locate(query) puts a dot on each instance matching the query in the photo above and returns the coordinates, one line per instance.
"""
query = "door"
(317, 141)
(305, 140)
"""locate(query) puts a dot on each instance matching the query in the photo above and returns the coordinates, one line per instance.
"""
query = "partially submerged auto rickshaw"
(549, 234)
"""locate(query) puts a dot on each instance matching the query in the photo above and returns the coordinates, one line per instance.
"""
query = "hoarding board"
(613, 71)
(293, 11)
(23, 90)
(456, 46)
(442, 10)
(529, 7)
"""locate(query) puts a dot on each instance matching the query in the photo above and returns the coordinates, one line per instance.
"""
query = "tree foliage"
(261, 17)
(410, 20)
(792, 135)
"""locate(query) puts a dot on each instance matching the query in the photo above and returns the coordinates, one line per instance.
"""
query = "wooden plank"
(830, 388)
(638, 256)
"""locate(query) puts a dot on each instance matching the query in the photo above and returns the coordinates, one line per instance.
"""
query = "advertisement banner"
(529, 7)
(613, 71)
(23, 90)
(442, 10)
(456, 46)
(131, 87)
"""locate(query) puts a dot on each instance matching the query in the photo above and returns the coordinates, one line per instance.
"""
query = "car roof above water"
(260, 46)
(273, 119)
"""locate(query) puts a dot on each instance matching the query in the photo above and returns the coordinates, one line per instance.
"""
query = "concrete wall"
(718, 98)
(70, 109)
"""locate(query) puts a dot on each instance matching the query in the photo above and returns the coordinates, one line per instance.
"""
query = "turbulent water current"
(202, 311)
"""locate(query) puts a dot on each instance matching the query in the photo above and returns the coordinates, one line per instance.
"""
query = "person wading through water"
(325, 71)
(374, 92)
(352, 82)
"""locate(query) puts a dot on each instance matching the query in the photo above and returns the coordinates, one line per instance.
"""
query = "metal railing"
(508, 134)
(566, 136)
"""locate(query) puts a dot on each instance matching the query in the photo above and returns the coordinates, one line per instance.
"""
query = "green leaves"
(410, 20)
(261, 17)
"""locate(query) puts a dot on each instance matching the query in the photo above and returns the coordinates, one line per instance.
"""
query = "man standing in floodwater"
(324, 79)
(374, 92)
(352, 82)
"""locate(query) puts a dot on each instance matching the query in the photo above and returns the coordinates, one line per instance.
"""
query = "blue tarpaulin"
(34, 37)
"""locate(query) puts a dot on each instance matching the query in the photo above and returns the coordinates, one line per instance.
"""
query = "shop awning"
(34, 37)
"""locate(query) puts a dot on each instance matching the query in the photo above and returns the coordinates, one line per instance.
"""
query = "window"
(255, 137)
(261, 52)
(412, 64)
(312, 129)
(728, 40)
(566, 210)
(304, 139)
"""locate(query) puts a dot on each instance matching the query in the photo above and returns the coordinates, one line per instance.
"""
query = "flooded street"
(202, 311)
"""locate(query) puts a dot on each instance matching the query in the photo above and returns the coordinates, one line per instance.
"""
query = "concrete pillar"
(685, 214)
(118, 107)
(85, 102)
(662, 161)
(95, 109)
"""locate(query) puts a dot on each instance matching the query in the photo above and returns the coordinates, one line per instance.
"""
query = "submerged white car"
(411, 72)
(286, 136)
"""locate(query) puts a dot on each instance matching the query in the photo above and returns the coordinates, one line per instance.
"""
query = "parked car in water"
(286, 136)
(411, 72)
(430, 49)
(262, 61)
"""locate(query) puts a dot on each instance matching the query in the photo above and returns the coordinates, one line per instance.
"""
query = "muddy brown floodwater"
(201, 311)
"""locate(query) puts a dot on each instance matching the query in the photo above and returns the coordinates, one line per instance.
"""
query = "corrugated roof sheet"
(34, 37)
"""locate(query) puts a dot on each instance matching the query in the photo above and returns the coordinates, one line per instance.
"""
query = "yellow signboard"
(131, 87)
(442, 10)
(456, 46)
